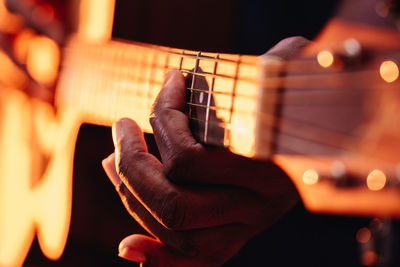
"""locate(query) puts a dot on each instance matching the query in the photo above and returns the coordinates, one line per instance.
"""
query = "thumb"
(288, 47)
(151, 252)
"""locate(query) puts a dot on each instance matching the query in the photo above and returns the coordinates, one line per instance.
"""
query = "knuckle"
(181, 161)
(296, 39)
(173, 211)
(177, 165)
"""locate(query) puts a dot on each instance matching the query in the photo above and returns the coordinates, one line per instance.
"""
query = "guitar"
(325, 117)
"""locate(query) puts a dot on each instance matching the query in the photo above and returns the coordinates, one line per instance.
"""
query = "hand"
(201, 204)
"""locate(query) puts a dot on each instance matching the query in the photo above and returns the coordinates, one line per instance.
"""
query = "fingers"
(144, 177)
(152, 252)
(193, 243)
(139, 248)
(140, 213)
(288, 47)
(170, 124)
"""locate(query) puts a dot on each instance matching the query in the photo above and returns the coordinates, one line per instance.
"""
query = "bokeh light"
(43, 59)
(376, 180)
(325, 58)
(363, 235)
(310, 177)
(389, 71)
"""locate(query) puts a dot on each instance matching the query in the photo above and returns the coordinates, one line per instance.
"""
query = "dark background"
(99, 221)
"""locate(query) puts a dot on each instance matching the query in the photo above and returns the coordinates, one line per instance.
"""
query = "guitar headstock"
(337, 120)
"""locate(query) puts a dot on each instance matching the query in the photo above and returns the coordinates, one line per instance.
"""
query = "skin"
(200, 204)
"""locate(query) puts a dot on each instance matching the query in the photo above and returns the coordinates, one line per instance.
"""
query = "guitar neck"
(120, 79)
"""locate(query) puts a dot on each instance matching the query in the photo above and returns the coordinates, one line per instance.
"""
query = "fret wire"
(193, 83)
(266, 118)
(274, 142)
(218, 124)
(283, 78)
(334, 147)
(211, 88)
(214, 75)
(166, 62)
(214, 108)
(214, 92)
(181, 60)
(150, 82)
(136, 79)
(203, 57)
(233, 94)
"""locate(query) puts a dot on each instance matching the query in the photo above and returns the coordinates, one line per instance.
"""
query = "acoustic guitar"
(328, 117)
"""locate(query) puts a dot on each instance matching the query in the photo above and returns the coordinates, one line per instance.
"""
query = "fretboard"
(119, 79)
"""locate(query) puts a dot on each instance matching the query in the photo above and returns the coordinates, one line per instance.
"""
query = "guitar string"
(225, 77)
(334, 149)
(314, 130)
(207, 74)
(325, 90)
(288, 101)
(131, 46)
(287, 90)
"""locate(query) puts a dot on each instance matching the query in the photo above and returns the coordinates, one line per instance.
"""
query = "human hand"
(201, 204)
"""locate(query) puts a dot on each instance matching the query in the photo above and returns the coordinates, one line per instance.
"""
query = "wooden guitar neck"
(119, 79)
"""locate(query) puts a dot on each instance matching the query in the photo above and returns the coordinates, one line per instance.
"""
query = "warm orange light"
(368, 258)
(389, 71)
(382, 9)
(325, 58)
(43, 59)
(363, 235)
(43, 14)
(21, 45)
(376, 180)
(96, 19)
(28, 207)
(310, 177)
(9, 23)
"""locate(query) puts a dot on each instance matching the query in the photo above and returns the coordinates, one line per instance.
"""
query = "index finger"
(170, 123)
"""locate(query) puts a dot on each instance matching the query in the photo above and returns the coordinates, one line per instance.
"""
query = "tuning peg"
(347, 55)
(339, 175)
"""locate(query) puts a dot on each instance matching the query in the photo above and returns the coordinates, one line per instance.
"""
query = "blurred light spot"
(376, 224)
(376, 180)
(352, 47)
(389, 71)
(21, 45)
(363, 235)
(96, 20)
(398, 173)
(43, 59)
(325, 58)
(369, 258)
(27, 3)
(338, 169)
(9, 23)
(310, 177)
(43, 14)
(382, 9)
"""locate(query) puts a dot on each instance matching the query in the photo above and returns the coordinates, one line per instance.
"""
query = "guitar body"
(40, 189)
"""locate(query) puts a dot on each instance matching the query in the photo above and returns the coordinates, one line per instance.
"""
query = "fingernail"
(109, 168)
(132, 255)
(170, 76)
